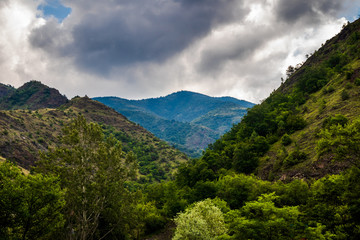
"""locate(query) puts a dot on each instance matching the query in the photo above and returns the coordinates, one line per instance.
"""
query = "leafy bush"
(329, 89)
(286, 140)
(202, 221)
(294, 158)
(343, 141)
(338, 119)
(31, 205)
(345, 95)
(357, 81)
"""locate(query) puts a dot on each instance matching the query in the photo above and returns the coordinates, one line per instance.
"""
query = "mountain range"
(187, 120)
(38, 113)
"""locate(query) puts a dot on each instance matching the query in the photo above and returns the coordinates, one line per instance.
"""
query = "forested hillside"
(187, 120)
(26, 132)
(289, 134)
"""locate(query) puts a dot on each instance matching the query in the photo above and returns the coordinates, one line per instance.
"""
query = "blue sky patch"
(56, 9)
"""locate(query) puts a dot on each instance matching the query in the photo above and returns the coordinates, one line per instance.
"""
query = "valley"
(287, 168)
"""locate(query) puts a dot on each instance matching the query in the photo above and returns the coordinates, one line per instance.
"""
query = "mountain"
(32, 95)
(189, 121)
(304, 127)
(25, 132)
(5, 90)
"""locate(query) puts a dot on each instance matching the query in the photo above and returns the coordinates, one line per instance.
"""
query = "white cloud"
(241, 48)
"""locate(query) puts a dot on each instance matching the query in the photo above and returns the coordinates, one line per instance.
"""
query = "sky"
(138, 49)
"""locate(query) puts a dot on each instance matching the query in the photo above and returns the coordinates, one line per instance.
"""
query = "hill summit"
(32, 95)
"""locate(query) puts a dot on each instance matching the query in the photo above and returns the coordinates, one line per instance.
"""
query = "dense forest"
(288, 170)
(86, 190)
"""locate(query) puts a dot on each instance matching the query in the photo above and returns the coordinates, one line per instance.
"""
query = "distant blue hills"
(190, 121)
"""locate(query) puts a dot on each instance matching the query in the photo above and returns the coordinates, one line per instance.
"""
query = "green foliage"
(337, 61)
(338, 119)
(313, 79)
(237, 190)
(345, 95)
(93, 169)
(294, 158)
(203, 221)
(261, 219)
(147, 155)
(30, 206)
(341, 141)
(286, 140)
(357, 81)
(329, 89)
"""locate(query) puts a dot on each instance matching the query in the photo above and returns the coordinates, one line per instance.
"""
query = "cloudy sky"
(148, 48)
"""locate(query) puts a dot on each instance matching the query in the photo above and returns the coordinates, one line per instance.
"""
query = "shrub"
(286, 140)
(348, 86)
(329, 89)
(331, 121)
(345, 95)
(295, 158)
(357, 81)
(202, 221)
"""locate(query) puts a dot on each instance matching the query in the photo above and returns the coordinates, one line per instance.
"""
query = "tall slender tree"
(93, 169)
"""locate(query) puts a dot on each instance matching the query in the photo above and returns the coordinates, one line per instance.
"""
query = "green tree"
(286, 140)
(93, 169)
(30, 205)
(262, 219)
(343, 142)
(203, 221)
(326, 205)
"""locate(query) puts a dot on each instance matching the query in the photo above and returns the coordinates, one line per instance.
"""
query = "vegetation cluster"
(86, 189)
(305, 138)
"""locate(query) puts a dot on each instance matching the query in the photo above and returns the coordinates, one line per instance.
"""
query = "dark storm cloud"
(127, 32)
(294, 15)
(295, 10)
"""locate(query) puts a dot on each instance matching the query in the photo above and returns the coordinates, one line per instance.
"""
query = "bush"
(331, 121)
(202, 221)
(348, 86)
(286, 140)
(295, 158)
(357, 81)
(329, 89)
(345, 95)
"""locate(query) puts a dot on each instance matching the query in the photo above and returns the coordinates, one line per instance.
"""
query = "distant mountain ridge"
(188, 120)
